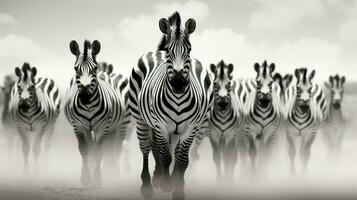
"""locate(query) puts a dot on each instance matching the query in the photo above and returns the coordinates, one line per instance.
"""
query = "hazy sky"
(319, 34)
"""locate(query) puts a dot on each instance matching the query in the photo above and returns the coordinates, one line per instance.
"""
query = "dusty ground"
(60, 179)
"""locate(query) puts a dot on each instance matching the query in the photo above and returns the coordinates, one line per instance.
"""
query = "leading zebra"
(170, 96)
(35, 106)
(264, 115)
(334, 125)
(96, 108)
(305, 109)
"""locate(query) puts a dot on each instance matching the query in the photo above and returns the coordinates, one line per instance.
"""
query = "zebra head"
(86, 69)
(303, 88)
(222, 84)
(178, 47)
(26, 86)
(264, 82)
(336, 90)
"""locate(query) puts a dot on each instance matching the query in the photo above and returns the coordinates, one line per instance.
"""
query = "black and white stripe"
(170, 96)
(264, 116)
(305, 109)
(35, 106)
(334, 125)
(95, 107)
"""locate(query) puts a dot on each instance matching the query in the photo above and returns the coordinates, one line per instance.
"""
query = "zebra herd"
(175, 103)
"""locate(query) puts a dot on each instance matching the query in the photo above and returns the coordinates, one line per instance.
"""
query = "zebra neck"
(168, 90)
(34, 107)
(223, 113)
(258, 106)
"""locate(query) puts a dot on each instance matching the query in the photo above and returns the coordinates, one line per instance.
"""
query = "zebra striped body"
(96, 108)
(334, 125)
(264, 117)
(162, 114)
(305, 109)
(35, 106)
(170, 96)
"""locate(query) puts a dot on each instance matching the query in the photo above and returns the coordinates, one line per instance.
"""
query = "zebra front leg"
(216, 154)
(36, 148)
(156, 179)
(47, 144)
(84, 149)
(25, 149)
(252, 151)
(292, 152)
(181, 164)
(230, 159)
(165, 161)
(98, 155)
(144, 136)
(305, 151)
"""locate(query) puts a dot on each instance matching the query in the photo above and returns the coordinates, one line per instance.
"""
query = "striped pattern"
(170, 95)
(96, 108)
(264, 115)
(35, 106)
(305, 110)
(334, 125)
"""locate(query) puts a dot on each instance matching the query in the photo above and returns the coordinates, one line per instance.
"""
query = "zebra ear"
(277, 77)
(272, 67)
(230, 68)
(297, 73)
(190, 26)
(164, 26)
(73, 46)
(331, 80)
(256, 67)
(110, 69)
(18, 72)
(33, 72)
(289, 79)
(343, 79)
(312, 75)
(213, 69)
(95, 47)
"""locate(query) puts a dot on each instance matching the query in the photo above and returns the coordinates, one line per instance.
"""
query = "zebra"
(105, 72)
(35, 106)
(263, 116)
(7, 120)
(305, 109)
(225, 119)
(96, 109)
(333, 127)
(170, 96)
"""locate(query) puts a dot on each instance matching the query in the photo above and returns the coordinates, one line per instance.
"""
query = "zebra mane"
(87, 46)
(175, 21)
(221, 73)
(25, 68)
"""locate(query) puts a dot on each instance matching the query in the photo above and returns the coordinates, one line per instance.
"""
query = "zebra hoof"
(85, 180)
(156, 180)
(178, 195)
(166, 185)
(146, 191)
